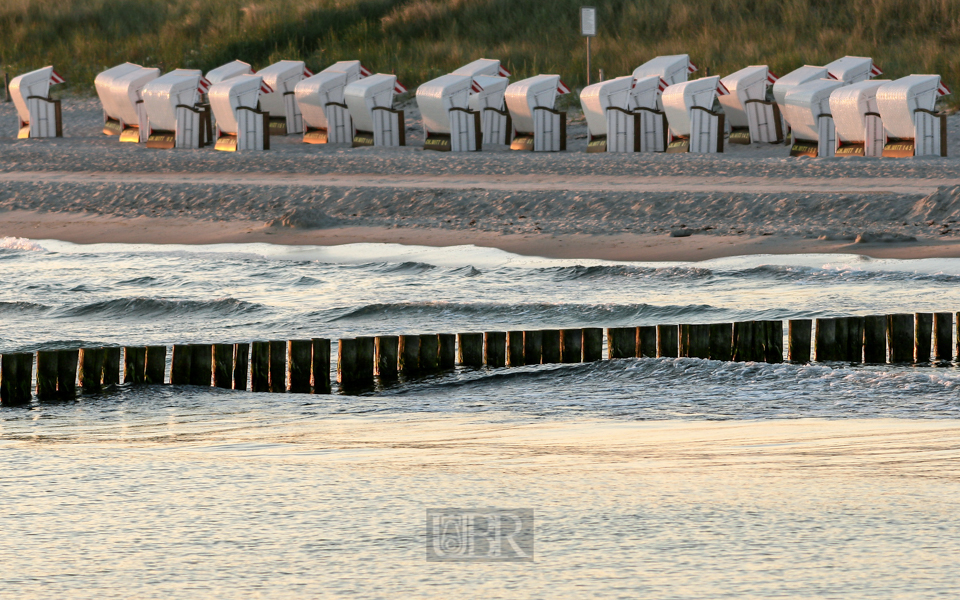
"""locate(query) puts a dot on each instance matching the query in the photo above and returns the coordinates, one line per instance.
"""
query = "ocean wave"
(405, 267)
(22, 307)
(139, 308)
(19, 243)
(842, 274)
(610, 271)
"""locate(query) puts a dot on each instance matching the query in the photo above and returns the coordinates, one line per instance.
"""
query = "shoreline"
(90, 229)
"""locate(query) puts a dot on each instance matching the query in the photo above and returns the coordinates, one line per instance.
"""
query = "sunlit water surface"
(656, 478)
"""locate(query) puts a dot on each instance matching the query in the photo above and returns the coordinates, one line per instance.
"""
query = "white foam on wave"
(492, 258)
(19, 243)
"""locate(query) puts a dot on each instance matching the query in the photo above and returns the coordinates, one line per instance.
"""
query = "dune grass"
(420, 39)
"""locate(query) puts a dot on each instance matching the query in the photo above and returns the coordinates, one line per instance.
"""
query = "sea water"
(659, 478)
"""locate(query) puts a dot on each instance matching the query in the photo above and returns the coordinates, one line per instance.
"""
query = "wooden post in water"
(721, 341)
(743, 341)
(16, 370)
(773, 341)
(515, 356)
(260, 367)
(900, 337)
(409, 350)
(278, 366)
(841, 335)
(647, 341)
(201, 369)
(875, 339)
(855, 339)
(241, 365)
(111, 366)
(592, 344)
(698, 341)
(386, 361)
(47, 374)
(923, 328)
(549, 346)
(180, 364)
(470, 349)
(668, 341)
(943, 336)
(571, 345)
(365, 352)
(321, 366)
(91, 370)
(448, 351)
(621, 342)
(299, 359)
(347, 362)
(825, 339)
(156, 365)
(134, 364)
(532, 347)
(222, 366)
(429, 352)
(495, 348)
(798, 345)
(67, 373)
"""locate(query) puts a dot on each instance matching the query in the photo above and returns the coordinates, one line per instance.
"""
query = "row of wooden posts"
(303, 366)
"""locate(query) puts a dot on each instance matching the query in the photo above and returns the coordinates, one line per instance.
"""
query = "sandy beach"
(754, 199)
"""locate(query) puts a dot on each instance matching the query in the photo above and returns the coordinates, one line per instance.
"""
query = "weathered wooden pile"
(303, 366)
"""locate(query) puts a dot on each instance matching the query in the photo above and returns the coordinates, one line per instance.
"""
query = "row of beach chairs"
(835, 110)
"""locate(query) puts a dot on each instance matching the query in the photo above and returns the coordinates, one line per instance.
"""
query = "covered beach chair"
(119, 91)
(852, 69)
(906, 107)
(375, 121)
(326, 118)
(673, 69)
(857, 120)
(230, 70)
(448, 122)
(490, 80)
(693, 123)
(651, 127)
(807, 110)
(538, 125)
(281, 104)
(751, 117)
(598, 101)
(794, 78)
(240, 124)
(175, 117)
(38, 116)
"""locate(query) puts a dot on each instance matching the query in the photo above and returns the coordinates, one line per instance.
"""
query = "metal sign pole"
(588, 29)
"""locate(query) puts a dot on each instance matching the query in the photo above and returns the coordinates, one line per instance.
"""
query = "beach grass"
(421, 39)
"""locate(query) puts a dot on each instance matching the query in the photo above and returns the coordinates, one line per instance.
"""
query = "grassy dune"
(420, 39)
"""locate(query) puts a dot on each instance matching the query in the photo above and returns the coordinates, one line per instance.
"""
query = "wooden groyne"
(304, 365)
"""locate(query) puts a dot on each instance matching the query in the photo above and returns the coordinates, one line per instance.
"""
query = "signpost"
(588, 29)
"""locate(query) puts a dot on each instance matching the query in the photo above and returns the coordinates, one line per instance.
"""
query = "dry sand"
(88, 187)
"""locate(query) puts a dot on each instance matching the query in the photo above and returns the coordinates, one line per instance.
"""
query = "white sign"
(588, 21)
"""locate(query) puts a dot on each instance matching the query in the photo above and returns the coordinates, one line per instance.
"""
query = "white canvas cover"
(749, 83)
(162, 95)
(119, 90)
(597, 98)
(363, 95)
(282, 77)
(678, 99)
(897, 101)
(227, 96)
(34, 83)
(794, 78)
(849, 105)
(228, 71)
(805, 104)
(490, 94)
(673, 69)
(314, 93)
(850, 69)
(436, 97)
(646, 92)
(351, 68)
(525, 95)
(481, 66)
